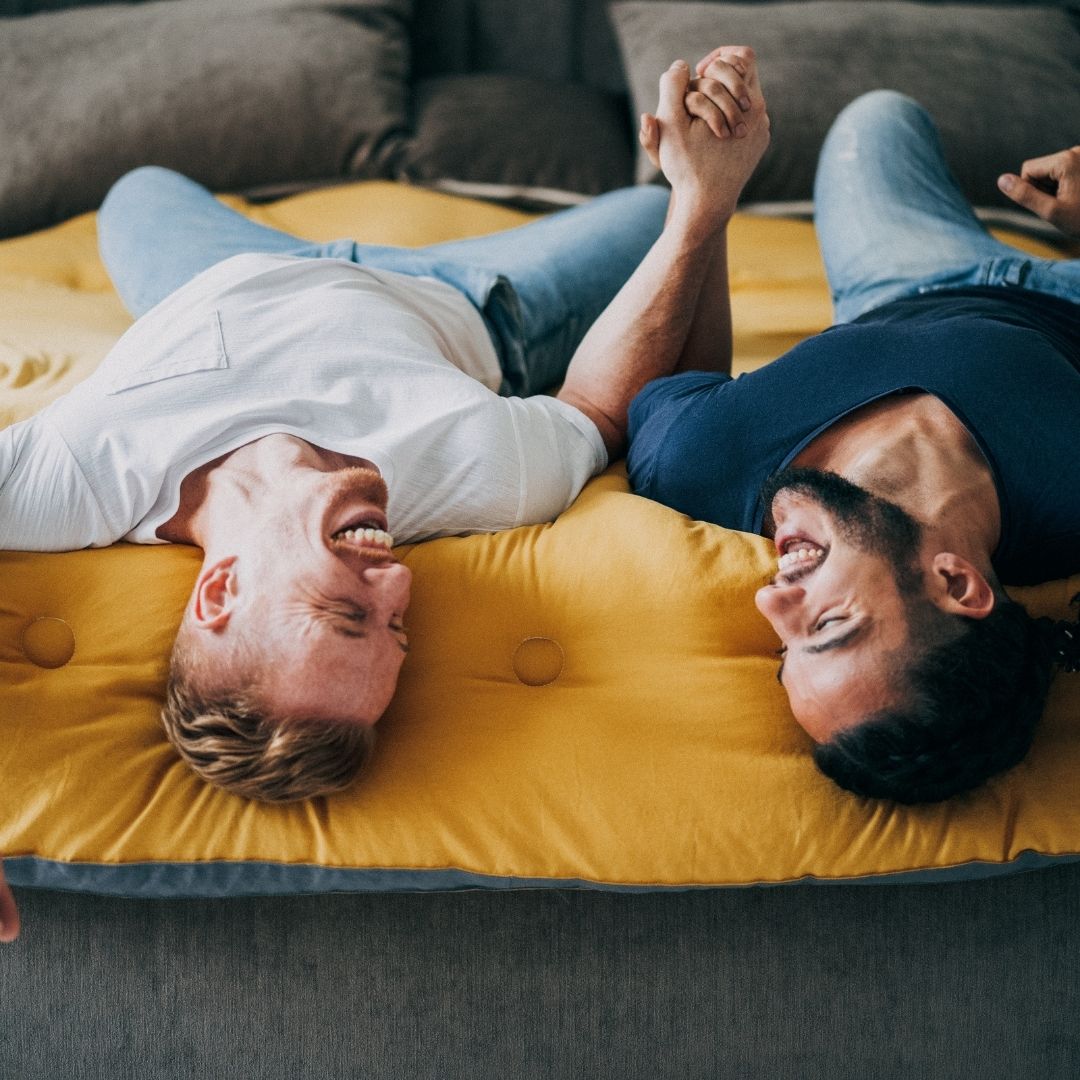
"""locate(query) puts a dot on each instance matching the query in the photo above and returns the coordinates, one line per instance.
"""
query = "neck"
(218, 498)
(220, 490)
(913, 451)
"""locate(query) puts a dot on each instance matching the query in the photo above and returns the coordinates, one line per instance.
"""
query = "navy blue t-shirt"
(1006, 362)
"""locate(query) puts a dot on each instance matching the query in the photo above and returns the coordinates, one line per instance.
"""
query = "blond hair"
(230, 741)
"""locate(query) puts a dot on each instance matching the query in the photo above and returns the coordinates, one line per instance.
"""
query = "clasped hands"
(710, 129)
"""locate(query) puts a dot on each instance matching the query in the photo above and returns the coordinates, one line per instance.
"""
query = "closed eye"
(355, 619)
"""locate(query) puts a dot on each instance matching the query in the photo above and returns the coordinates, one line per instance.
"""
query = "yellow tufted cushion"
(591, 701)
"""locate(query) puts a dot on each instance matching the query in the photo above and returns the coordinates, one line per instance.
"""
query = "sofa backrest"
(554, 39)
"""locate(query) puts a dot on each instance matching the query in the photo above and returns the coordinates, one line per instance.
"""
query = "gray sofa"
(867, 982)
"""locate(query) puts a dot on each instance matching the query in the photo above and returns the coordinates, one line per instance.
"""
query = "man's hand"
(1050, 187)
(9, 913)
(710, 131)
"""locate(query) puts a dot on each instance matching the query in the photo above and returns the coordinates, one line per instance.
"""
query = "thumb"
(1027, 195)
(673, 86)
(649, 137)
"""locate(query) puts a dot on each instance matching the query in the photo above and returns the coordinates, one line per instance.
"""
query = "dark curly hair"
(973, 699)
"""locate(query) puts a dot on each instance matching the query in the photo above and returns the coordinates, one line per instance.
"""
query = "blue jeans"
(538, 287)
(892, 223)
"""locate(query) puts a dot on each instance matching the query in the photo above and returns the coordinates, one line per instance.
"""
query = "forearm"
(643, 332)
(708, 341)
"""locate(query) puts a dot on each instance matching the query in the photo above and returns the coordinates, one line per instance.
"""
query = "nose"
(780, 605)
(390, 584)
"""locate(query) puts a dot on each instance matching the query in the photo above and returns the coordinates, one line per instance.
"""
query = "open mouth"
(368, 536)
(799, 556)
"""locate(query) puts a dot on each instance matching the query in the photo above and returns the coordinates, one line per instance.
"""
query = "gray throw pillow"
(1003, 83)
(235, 93)
(524, 140)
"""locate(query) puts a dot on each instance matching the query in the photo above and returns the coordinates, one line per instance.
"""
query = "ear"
(958, 587)
(215, 594)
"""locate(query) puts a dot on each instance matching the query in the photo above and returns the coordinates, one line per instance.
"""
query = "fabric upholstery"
(591, 701)
(817, 56)
(555, 39)
(235, 94)
(534, 139)
(935, 982)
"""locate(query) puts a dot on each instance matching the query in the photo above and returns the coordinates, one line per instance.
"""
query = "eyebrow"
(838, 642)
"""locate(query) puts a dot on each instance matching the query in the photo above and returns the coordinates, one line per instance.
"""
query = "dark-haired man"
(906, 462)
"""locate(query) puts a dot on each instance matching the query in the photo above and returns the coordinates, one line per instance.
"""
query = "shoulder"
(685, 387)
(668, 413)
(568, 431)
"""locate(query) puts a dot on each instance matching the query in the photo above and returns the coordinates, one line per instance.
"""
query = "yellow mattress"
(590, 702)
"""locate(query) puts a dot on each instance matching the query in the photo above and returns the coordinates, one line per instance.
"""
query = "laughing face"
(318, 599)
(336, 617)
(847, 562)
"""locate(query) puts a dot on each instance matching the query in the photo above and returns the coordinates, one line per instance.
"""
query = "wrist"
(696, 213)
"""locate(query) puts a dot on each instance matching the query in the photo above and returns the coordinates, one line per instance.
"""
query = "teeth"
(366, 537)
(799, 556)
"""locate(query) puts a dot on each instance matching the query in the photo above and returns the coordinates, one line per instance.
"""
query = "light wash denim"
(539, 287)
(892, 222)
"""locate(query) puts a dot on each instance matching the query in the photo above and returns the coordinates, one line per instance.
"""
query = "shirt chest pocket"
(140, 360)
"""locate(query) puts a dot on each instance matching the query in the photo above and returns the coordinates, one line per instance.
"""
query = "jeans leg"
(157, 229)
(542, 285)
(888, 211)
(564, 270)
(539, 286)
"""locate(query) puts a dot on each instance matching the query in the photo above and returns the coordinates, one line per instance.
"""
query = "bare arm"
(708, 345)
(9, 913)
(643, 333)
(1050, 187)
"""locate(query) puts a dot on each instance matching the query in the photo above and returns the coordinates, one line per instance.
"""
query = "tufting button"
(538, 661)
(48, 642)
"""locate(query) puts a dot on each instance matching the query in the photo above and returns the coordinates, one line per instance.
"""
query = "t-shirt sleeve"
(45, 502)
(560, 451)
(654, 413)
